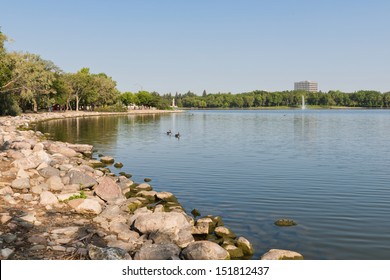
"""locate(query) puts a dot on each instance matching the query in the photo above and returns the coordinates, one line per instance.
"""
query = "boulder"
(108, 190)
(77, 177)
(234, 252)
(49, 171)
(165, 227)
(109, 253)
(95, 163)
(85, 206)
(277, 254)
(205, 250)
(21, 183)
(245, 246)
(158, 252)
(47, 198)
(21, 146)
(27, 162)
(55, 148)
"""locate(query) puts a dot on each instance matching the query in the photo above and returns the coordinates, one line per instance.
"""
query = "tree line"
(258, 98)
(30, 83)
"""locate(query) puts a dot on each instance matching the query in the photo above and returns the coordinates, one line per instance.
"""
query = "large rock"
(55, 183)
(245, 246)
(82, 148)
(55, 148)
(28, 162)
(77, 177)
(109, 253)
(21, 183)
(165, 227)
(108, 190)
(47, 198)
(205, 250)
(158, 252)
(49, 171)
(85, 206)
(277, 254)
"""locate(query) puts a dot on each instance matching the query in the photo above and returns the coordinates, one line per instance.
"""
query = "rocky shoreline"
(59, 203)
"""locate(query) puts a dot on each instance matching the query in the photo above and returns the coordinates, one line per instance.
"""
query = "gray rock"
(172, 226)
(277, 254)
(21, 183)
(7, 252)
(158, 252)
(81, 148)
(47, 198)
(245, 246)
(110, 253)
(108, 190)
(77, 177)
(205, 250)
(55, 183)
(49, 171)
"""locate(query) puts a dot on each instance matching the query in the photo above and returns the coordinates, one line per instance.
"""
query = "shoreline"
(59, 203)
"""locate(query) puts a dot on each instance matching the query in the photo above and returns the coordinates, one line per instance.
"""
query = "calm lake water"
(328, 170)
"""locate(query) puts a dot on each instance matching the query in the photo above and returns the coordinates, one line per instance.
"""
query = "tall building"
(306, 85)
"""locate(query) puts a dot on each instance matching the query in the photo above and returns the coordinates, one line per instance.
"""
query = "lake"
(328, 170)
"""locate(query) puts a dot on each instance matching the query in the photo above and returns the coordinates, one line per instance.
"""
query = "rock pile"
(58, 203)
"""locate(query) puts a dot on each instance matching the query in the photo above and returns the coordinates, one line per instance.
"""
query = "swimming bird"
(177, 135)
(169, 132)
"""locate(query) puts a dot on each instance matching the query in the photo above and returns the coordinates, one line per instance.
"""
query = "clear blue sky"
(216, 45)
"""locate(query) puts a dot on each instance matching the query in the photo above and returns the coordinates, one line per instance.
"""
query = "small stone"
(147, 180)
(49, 171)
(55, 183)
(21, 183)
(22, 174)
(118, 165)
(234, 252)
(108, 190)
(98, 253)
(6, 252)
(30, 218)
(6, 190)
(195, 212)
(224, 232)
(144, 187)
(37, 189)
(59, 248)
(9, 199)
(85, 206)
(47, 198)
(95, 163)
(285, 223)
(38, 247)
(9, 238)
(5, 218)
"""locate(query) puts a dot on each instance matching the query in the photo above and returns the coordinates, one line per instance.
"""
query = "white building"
(306, 85)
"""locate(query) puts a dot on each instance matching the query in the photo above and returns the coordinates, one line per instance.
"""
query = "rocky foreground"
(58, 203)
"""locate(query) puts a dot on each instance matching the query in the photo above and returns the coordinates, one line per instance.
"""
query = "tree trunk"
(77, 102)
(35, 106)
